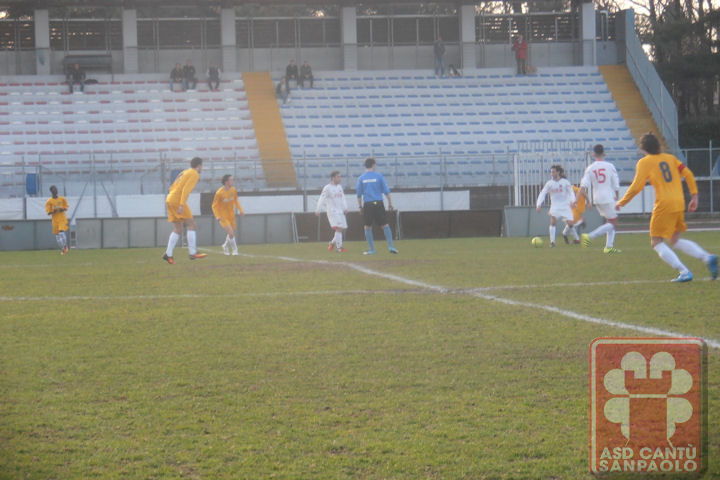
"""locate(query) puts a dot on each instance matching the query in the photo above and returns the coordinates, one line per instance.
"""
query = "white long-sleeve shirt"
(333, 198)
(603, 178)
(561, 194)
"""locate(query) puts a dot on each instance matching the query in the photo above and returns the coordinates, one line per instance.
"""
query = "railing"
(118, 175)
(705, 164)
(535, 27)
(651, 86)
(524, 170)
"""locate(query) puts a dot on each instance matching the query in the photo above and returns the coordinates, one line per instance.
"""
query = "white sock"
(172, 241)
(227, 241)
(192, 242)
(579, 222)
(233, 244)
(338, 239)
(573, 230)
(604, 228)
(610, 239)
(566, 229)
(552, 233)
(670, 257)
(60, 240)
(693, 249)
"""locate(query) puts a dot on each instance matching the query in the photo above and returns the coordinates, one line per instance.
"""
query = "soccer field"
(459, 358)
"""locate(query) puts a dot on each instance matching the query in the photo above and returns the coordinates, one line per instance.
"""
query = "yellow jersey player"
(577, 212)
(179, 212)
(223, 206)
(663, 171)
(56, 206)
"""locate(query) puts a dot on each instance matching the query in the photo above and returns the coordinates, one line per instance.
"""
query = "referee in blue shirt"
(370, 189)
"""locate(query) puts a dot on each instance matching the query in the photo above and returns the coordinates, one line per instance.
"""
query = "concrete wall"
(550, 54)
(527, 222)
(150, 206)
(96, 233)
(18, 63)
(142, 232)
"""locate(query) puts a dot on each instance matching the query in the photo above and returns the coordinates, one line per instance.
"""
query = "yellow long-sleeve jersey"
(182, 187)
(663, 171)
(225, 202)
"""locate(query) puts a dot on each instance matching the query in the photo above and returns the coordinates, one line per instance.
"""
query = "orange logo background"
(647, 405)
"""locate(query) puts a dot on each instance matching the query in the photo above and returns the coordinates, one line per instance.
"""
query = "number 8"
(665, 169)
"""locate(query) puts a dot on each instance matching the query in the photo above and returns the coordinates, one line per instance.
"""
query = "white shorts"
(337, 220)
(607, 210)
(561, 213)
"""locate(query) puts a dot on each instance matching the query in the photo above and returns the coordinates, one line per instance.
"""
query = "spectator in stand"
(176, 76)
(439, 52)
(189, 76)
(520, 48)
(291, 72)
(282, 90)
(305, 74)
(76, 76)
(213, 74)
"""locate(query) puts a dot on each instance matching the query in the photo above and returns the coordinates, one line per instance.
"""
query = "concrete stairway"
(630, 102)
(269, 130)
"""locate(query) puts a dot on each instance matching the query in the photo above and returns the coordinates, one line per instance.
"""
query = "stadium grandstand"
(488, 132)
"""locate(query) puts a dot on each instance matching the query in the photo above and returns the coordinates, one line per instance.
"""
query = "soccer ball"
(537, 242)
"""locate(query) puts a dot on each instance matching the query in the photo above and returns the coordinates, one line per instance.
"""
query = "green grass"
(115, 365)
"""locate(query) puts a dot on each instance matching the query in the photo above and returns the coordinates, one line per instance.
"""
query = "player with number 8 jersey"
(663, 171)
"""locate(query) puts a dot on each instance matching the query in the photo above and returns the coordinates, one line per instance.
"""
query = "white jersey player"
(333, 198)
(602, 178)
(562, 200)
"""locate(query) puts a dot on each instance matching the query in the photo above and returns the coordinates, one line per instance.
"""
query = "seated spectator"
(189, 76)
(291, 72)
(213, 74)
(76, 76)
(453, 72)
(305, 74)
(282, 90)
(176, 76)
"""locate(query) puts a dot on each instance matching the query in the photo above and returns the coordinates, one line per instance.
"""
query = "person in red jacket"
(520, 48)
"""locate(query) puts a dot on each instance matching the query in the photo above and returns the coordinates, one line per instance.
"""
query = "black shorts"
(374, 212)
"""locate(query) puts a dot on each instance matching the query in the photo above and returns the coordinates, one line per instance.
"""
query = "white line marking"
(600, 321)
(478, 293)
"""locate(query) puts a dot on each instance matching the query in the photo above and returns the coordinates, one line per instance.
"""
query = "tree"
(683, 35)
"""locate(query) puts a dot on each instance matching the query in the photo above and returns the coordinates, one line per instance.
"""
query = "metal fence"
(111, 174)
(524, 171)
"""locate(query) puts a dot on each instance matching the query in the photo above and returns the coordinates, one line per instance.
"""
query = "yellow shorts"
(667, 224)
(60, 225)
(174, 216)
(227, 222)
